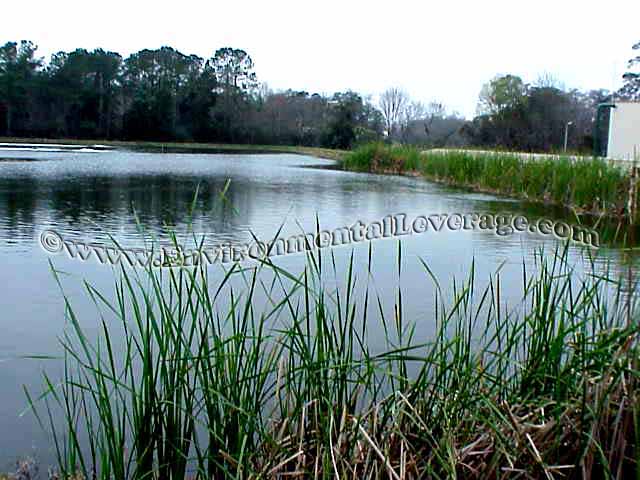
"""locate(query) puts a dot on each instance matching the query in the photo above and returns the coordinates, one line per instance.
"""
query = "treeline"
(537, 117)
(165, 95)
(519, 116)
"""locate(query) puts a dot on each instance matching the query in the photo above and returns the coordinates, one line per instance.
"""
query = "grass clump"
(378, 157)
(207, 385)
(589, 185)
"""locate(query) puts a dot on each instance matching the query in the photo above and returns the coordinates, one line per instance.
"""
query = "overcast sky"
(441, 50)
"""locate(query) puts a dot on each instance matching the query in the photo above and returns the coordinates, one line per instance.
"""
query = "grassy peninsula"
(586, 185)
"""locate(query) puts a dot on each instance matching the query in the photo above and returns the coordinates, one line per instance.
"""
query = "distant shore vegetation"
(583, 184)
(165, 95)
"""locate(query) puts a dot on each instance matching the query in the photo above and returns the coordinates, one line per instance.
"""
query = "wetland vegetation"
(200, 390)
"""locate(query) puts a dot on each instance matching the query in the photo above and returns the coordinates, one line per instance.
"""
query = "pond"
(96, 196)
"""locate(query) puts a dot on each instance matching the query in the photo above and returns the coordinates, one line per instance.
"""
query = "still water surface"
(93, 196)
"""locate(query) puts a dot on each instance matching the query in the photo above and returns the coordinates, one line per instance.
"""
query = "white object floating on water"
(34, 149)
(53, 147)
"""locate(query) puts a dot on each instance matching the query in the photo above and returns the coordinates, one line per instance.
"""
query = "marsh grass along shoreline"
(590, 185)
(205, 388)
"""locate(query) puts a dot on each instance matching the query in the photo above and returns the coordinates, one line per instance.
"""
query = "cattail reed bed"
(209, 386)
(586, 185)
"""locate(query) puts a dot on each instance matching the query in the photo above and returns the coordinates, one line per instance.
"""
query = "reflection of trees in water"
(617, 258)
(92, 206)
(18, 204)
(113, 204)
(110, 202)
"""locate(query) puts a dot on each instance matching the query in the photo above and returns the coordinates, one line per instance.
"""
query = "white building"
(624, 131)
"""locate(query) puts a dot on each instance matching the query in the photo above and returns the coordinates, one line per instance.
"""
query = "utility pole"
(566, 136)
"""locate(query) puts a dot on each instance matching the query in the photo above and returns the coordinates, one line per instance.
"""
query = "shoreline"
(415, 169)
(585, 186)
(186, 147)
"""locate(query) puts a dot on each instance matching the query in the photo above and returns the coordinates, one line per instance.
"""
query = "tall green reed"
(260, 371)
(591, 184)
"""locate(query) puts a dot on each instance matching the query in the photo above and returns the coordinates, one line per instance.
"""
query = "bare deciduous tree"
(393, 102)
(434, 110)
(412, 112)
